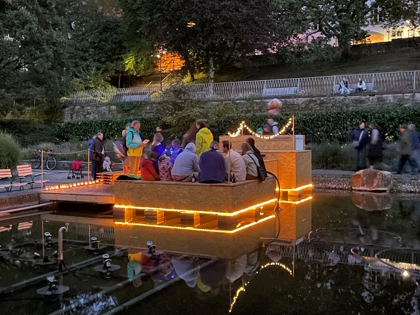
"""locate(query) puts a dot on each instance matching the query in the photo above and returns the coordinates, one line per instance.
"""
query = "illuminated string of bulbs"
(242, 289)
(243, 125)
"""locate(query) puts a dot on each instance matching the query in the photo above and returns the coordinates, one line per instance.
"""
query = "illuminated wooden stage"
(94, 194)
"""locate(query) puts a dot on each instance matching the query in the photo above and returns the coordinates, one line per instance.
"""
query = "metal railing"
(382, 83)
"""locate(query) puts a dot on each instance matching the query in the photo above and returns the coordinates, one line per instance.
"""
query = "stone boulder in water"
(372, 180)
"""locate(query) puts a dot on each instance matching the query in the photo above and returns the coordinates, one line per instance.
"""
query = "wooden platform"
(99, 194)
(109, 178)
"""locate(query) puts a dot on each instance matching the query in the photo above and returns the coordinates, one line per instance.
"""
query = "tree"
(341, 19)
(400, 12)
(34, 59)
(209, 34)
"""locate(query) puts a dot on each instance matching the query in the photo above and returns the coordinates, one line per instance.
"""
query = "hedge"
(330, 126)
(83, 130)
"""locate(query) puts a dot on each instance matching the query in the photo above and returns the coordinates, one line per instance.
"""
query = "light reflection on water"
(332, 272)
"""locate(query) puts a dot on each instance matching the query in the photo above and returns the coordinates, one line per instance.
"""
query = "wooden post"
(42, 169)
(293, 129)
(88, 163)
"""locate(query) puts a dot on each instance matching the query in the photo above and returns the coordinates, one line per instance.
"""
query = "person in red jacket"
(148, 171)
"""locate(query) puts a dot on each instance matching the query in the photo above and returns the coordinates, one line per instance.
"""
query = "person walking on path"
(375, 145)
(404, 149)
(203, 138)
(360, 139)
(135, 147)
(98, 152)
(415, 144)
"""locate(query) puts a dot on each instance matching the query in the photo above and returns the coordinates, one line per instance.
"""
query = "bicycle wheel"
(51, 163)
(35, 161)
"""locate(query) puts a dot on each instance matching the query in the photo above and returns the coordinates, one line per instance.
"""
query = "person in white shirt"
(234, 160)
(251, 162)
(361, 85)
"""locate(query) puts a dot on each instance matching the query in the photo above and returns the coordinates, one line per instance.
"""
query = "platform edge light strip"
(296, 189)
(196, 229)
(296, 202)
(197, 211)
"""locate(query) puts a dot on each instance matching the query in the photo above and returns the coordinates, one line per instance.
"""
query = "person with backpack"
(120, 148)
(360, 139)
(135, 147)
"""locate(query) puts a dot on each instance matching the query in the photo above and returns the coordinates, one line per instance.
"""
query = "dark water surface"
(328, 268)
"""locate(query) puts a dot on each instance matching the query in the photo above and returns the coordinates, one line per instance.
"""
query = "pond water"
(331, 266)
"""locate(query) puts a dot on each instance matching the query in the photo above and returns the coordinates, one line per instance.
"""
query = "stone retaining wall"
(147, 109)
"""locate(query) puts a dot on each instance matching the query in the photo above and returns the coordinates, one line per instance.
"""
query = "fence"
(384, 82)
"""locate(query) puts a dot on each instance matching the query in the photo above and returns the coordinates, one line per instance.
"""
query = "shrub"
(10, 151)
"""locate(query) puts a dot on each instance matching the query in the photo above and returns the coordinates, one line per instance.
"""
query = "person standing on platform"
(98, 152)
(135, 147)
(203, 138)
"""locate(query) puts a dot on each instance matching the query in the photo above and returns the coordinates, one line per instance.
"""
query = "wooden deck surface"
(99, 194)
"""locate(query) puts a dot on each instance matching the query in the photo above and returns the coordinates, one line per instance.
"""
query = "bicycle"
(50, 161)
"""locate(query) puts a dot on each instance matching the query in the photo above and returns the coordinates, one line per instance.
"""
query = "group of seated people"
(174, 163)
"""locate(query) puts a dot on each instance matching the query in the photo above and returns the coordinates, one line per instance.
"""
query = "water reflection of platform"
(99, 194)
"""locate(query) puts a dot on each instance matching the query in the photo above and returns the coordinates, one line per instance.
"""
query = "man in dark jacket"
(360, 139)
(415, 144)
(98, 154)
(404, 148)
(212, 165)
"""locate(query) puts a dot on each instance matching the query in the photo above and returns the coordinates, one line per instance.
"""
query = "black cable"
(277, 208)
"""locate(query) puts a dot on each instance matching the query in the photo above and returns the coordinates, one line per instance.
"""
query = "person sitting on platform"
(157, 145)
(176, 150)
(186, 165)
(165, 168)
(266, 130)
(148, 171)
(212, 165)
(257, 152)
(251, 162)
(234, 162)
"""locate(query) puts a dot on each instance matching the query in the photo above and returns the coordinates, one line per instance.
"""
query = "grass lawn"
(402, 59)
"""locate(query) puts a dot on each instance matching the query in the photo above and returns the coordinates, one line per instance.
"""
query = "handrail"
(380, 82)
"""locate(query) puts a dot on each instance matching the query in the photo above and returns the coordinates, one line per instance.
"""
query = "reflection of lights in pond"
(242, 289)
(195, 229)
(198, 211)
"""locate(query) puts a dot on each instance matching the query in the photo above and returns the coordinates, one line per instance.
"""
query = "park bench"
(352, 88)
(280, 91)
(25, 172)
(6, 176)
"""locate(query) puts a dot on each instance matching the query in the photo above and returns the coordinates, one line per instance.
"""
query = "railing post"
(233, 90)
(298, 87)
(265, 85)
(333, 91)
(42, 170)
(414, 82)
(373, 82)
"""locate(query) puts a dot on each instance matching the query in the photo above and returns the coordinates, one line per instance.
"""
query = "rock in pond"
(371, 201)
(372, 180)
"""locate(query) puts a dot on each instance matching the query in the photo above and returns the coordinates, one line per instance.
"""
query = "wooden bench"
(277, 91)
(353, 88)
(6, 175)
(25, 172)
